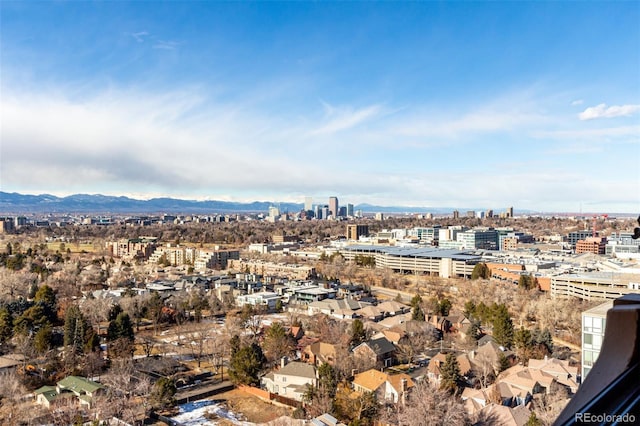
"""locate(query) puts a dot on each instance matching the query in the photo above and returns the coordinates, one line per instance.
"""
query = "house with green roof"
(71, 386)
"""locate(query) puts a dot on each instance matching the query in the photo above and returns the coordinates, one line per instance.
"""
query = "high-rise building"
(274, 211)
(510, 212)
(456, 214)
(350, 210)
(356, 231)
(325, 212)
(593, 325)
(308, 203)
(333, 206)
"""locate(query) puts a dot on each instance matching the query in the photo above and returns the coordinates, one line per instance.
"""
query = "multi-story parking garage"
(417, 260)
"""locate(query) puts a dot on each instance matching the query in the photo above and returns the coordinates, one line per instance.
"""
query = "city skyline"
(411, 104)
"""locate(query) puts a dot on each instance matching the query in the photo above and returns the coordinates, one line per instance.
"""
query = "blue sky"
(460, 104)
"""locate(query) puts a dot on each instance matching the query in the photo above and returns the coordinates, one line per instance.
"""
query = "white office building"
(593, 326)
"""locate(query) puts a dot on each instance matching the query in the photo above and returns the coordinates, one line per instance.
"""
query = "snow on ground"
(193, 414)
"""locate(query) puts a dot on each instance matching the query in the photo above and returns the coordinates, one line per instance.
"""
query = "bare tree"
(548, 406)
(10, 392)
(426, 406)
(124, 386)
(147, 343)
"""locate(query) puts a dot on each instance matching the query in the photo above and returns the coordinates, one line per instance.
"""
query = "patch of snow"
(193, 414)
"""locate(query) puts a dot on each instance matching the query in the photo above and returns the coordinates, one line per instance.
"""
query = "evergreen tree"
(533, 420)
(416, 308)
(358, 333)
(6, 325)
(543, 339)
(503, 363)
(328, 379)
(245, 365)
(113, 312)
(42, 339)
(234, 344)
(523, 342)
(450, 374)
(31, 320)
(481, 270)
(470, 310)
(75, 329)
(46, 297)
(163, 394)
(502, 326)
(277, 342)
(474, 331)
(445, 307)
(121, 327)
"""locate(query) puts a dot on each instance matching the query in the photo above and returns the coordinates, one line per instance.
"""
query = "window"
(597, 341)
(588, 323)
(588, 340)
(597, 325)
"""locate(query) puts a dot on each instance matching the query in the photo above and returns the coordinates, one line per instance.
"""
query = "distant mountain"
(85, 203)
(12, 203)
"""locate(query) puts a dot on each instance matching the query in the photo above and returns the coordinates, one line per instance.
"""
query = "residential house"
(266, 299)
(393, 308)
(371, 313)
(326, 419)
(489, 355)
(441, 323)
(378, 350)
(340, 308)
(319, 353)
(524, 378)
(504, 416)
(390, 388)
(291, 380)
(9, 362)
(433, 370)
(71, 386)
(561, 370)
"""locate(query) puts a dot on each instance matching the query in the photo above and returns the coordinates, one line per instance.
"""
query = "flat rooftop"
(423, 252)
(600, 310)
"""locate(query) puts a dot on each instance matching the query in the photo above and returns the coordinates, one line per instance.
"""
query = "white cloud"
(602, 133)
(338, 119)
(166, 45)
(188, 144)
(140, 36)
(602, 111)
(577, 102)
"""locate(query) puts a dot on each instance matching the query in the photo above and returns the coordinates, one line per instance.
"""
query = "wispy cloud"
(140, 36)
(602, 133)
(577, 102)
(183, 142)
(166, 45)
(338, 119)
(603, 111)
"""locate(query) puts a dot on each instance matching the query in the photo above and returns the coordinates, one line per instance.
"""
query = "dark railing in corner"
(610, 394)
